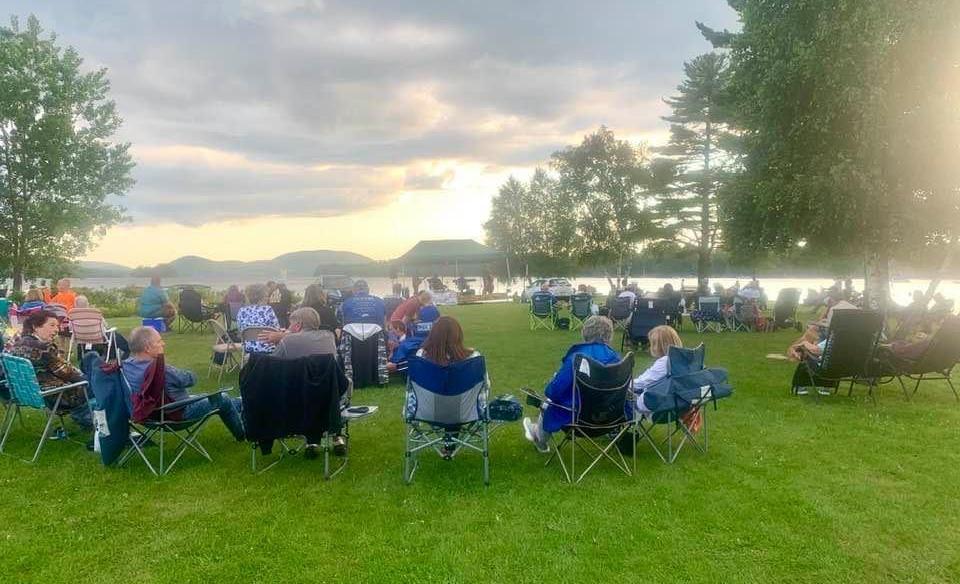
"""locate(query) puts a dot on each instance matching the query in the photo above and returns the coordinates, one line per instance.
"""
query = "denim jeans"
(229, 409)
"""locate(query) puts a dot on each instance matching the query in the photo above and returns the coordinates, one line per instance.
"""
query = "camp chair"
(284, 393)
(580, 309)
(849, 353)
(167, 422)
(542, 312)
(645, 317)
(672, 312)
(743, 315)
(446, 411)
(226, 354)
(25, 392)
(708, 315)
(937, 361)
(192, 313)
(363, 353)
(785, 309)
(598, 418)
(620, 310)
(87, 327)
(251, 334)
(678, 399)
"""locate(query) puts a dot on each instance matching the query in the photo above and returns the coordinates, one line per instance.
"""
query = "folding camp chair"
(741, 316)
(167, 421)
(785, 309)
(646, 315)
(937, 361)
(580, 309)
(87, 327)
(849, 354)
(283, 394)
(192, 314)
(679, 399)
(542, 312)
(620, 309)
(363, 353)
(446, 411)
(226, 353)
(598, 418)
(25, 392)
(708, 315)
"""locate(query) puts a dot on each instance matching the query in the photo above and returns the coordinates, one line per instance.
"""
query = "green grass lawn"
(790, 491)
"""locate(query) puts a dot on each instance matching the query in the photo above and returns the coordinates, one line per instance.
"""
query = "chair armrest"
(192, 400)
(62, 388)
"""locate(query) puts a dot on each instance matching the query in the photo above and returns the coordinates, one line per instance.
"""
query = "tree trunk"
(703, 253)
(876, 293)
(703, 268)
(944, 266)
(17, 278)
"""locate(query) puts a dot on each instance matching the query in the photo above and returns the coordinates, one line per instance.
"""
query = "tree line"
(821, 129)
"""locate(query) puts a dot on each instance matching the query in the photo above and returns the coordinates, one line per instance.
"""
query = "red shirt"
(407, 310)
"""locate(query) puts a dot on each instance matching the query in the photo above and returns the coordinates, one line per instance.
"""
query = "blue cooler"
(155, 323)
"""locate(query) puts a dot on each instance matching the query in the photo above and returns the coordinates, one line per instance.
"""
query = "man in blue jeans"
(146, 345)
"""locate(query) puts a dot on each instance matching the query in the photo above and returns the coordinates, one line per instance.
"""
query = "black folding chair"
(598, 418)
(646, 315)
(580, 309)
(937, 361)
(849, 354)
(542, 312)
(785, 309)
(192, 313)
(620, 309)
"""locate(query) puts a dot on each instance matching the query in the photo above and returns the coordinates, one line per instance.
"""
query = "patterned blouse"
(52, 369)
(257, 315)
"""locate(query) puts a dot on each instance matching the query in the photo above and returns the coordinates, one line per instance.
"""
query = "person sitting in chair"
(363, 307)
(32, 301)
(661, 339)
(154, 303)
(37, 345)
(64, 295)
(406, 313)
(257, 314)
(597, 332)
(304, 337)
(146, 345)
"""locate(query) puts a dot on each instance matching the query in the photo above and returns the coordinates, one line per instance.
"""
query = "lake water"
(901, 289)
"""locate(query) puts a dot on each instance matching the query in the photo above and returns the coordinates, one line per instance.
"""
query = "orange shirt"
(68, 298)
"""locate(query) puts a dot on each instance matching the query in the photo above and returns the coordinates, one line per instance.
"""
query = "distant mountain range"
(297, 264)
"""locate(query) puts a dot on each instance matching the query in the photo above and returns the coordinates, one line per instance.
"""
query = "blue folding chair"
(681, 396)
(580, 309)
(708, 315)
(446, 411)
(25, 392)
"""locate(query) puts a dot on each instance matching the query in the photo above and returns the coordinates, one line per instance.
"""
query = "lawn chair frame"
(25, 392)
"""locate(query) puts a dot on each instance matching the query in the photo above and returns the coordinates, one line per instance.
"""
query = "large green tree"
(58, 165)
(850, 113)
(696, 159)
(606, 182)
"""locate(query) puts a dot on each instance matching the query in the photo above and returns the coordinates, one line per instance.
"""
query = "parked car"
(559, 287)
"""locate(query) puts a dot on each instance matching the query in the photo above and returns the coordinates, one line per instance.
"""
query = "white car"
(559, 287)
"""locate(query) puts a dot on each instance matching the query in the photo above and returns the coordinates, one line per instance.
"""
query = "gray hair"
(140, 338)
(597, 329)
(306, 317)
(81, 302)
(256, 294)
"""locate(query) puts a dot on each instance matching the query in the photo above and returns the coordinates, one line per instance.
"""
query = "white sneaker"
(531, 432)
(824, 391)
(803, 390)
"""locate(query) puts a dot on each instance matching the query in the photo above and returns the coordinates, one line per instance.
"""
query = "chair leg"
(486, 454)
(903, 386)
(917, 386)
(952, 388)
(13, 410)
(46, 432)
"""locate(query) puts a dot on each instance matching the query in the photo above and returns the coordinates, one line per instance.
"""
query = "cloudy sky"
(266, 126)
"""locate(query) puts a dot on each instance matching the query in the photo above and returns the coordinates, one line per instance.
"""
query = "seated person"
(597, 332)
(33, 301)
(661, 339)
(64, 296)
(146, 345)
(304, 337)
(233, 295)
(257, 314)
(118, 339)
(154, 303)
(363, 307)
(414, 337)
(544, 293)
(407, 311)
(313, 297)
(630, 292)
(443, 346)
(37, 345)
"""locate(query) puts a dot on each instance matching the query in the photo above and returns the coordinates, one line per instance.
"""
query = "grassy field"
(790, 491)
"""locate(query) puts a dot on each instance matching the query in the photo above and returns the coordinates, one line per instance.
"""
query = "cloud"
(244, 109)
